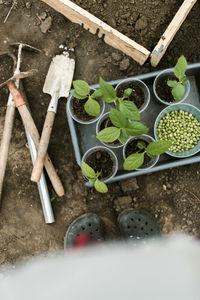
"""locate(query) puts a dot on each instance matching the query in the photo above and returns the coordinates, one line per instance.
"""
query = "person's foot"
(137, 224)
(86, 230)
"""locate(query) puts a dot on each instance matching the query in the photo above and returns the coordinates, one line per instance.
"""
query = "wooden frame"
(170, 32)
(116, 39)
(111, 36)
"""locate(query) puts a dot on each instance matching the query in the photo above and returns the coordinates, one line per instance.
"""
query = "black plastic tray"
(84, 136)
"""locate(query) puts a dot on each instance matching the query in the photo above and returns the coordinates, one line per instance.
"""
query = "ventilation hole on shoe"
(132, 219)
(135, 227)
(151, 230)
(83, 228)
(146, 223)
(139, 220)
(128, 227)
(89, 224)
(142, 228)
(97, 229)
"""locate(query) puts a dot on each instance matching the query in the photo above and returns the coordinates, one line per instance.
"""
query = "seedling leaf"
(82, 88)
(92, 180)
(100, 186)
(92, 107)
(141, 145)
(127, 92)
(77, 96)
(108, 91)
(180, 67)
(129, 110)
(109, 134)
(117, 118)
(136, 129)
(87, 170)
(178, 91)
(97, 94)
(159, 147)
(172, 83)
(134, 161)
(184, 80)
(123, 136)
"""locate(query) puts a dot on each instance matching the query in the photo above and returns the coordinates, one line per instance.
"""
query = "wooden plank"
(111, 36)
(170, 32)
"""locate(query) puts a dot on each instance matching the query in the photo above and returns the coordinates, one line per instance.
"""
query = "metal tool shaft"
(42, 185)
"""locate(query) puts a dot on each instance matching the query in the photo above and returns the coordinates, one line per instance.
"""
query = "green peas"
(181, 128)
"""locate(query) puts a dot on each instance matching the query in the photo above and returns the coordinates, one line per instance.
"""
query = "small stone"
(111, 22)
(164, 187)
(61, 46)
(43, 15)
(122, 203)
(46, 25)
(28, 4)
(1, 1)
(129, 185)
(124, 64)
(141, 23)
(116, 56)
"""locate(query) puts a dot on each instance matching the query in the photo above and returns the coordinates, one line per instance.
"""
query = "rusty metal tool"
(58, 84)
(30, 125)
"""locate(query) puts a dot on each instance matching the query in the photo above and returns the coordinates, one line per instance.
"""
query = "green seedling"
(93, 176)
(82, 91)
(136, 160)
(126, 107)
(177, 86)
(122, 128)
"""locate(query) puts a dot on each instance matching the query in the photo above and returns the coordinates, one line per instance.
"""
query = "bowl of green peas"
(180, 124)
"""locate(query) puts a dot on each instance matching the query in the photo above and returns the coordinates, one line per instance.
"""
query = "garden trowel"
(58, 84)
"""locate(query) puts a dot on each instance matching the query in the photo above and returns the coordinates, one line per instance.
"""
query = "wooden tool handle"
(5, 143)
(30, 125)
(43, 146)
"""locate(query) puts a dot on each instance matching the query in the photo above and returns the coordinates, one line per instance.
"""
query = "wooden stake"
(170, 32)
(111, 36)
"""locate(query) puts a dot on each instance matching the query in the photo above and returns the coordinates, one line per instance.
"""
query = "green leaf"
(136, 129)
(171, 83)
(108, 91)
(92, 107)
(97, 94)
(77, 96)
(92, 180)
(127, 92)
(87, 170)
(178, 91)
(180, 67)
(123, 136)
(141, 145)
(133, 161)
(159, 147)
(109, 135)
(129, 110)
(117, 118)
(82, 88)
(100, 186)
(184, 80)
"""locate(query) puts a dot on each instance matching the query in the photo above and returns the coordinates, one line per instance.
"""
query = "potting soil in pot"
(137, 95)
(101, 161)
(132, 148)
(163, 90)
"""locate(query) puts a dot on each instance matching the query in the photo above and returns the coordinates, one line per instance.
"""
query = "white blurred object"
(166, 269)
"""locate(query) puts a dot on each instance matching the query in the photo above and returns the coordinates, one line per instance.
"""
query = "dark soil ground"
(172, 196)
